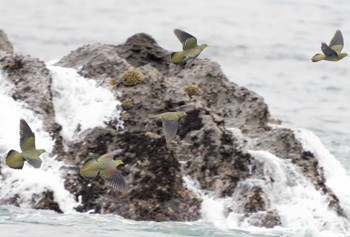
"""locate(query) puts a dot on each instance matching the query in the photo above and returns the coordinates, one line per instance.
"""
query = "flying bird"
(170, 123)
(106, 167)
(15, 159)
(331, 52)
(190, 48)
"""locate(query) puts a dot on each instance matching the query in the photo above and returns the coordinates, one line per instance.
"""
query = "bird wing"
(337, 43)
(32, 159)
(169, 128)
(187, 40)
(328, 51)
(114, 178)
(90, 168)
(14, 159)
(27, 137)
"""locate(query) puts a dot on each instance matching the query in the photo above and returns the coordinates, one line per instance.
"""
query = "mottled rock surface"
(204, 150)
(5, 44)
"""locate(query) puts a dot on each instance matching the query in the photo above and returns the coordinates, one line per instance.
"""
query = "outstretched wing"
(337, 43)
(33, 159)
(169, 128)
(27, 137)
(328, 51)
(114, 178)
(188, 41)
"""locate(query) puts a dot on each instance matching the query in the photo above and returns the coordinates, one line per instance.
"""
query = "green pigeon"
(190, 48)
(15, 159)
(170, 123)
(106, 167)
(331, 52)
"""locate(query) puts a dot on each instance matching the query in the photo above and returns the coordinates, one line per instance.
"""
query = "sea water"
(264, 45)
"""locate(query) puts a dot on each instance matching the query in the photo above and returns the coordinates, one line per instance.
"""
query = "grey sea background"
(264, 45)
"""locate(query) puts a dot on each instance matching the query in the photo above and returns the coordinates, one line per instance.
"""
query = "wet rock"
(267, 219)
(155, 186)
(283, 143)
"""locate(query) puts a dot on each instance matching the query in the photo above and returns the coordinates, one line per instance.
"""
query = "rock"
(267, 219)
(98, 61)
(205, 149)
(155, 186)
(5, 44)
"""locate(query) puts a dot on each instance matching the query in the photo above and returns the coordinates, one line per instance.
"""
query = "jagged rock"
(267, 219)
(98, 61)
(282, 143)
(5, 44)
(205, 149)
(155, 187)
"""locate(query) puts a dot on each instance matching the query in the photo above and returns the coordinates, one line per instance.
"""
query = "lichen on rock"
(193, 90)
(131, 77)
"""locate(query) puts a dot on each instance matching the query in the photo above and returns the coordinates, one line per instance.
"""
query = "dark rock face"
(204, 149)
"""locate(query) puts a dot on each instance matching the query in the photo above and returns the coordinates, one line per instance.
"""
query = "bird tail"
(154, 117)
(318, 57)
(14, 159)
(34, 161)
(89, 169)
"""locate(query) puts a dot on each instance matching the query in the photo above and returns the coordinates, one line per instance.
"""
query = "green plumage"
(15, 159)
(332, 52)
(170, 123)
(191, 49)
(106, 167)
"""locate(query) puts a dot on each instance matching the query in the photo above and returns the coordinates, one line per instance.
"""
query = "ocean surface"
(264, 45)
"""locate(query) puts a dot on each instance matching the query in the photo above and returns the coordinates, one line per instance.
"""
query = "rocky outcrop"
(205, 149)
(5, 45)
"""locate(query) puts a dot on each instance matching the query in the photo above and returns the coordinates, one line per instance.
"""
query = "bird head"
(342, 55)
(203, 46)
(118, 162)
(180, 114)
(41, 151)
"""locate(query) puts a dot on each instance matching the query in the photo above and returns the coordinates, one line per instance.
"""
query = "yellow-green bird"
(106, 167)
(15, 159)
(190, 48)
(332, 52)
(170, 123)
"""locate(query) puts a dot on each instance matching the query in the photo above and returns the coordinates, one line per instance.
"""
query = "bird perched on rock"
(106, 167)
(332, 52)
(15, 159)
(190, 48)
(170, 123)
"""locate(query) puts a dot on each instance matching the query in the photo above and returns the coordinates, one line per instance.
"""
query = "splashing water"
(79, 103)
(28, 181)
(303, 209)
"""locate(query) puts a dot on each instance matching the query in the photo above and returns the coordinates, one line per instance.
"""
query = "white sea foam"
(303, 210)
(28, 181)
(337, 178)
(80, 103)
